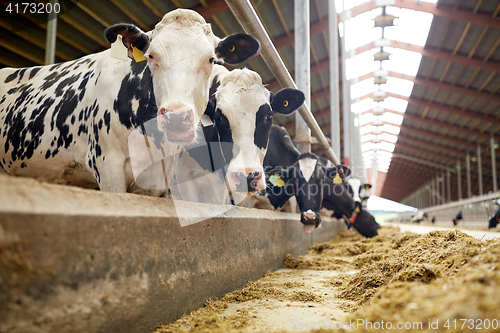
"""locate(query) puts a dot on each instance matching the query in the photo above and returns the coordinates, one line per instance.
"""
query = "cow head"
(181, 52)
(305, 179)
(242, 111)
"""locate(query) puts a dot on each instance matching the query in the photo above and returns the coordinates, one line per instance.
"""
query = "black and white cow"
(70, 123)
(457, 218)
(290, 173)
(241, 112)
(494, 220)
(359, 191)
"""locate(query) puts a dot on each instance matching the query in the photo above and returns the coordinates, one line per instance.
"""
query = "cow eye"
(151, 57)
(269, 116)
(211, 60)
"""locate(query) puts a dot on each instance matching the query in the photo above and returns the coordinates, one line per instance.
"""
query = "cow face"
(181, 51)
(306, 178)
(242, 111)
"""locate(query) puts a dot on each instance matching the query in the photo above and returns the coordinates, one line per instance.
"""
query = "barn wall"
(78, 260)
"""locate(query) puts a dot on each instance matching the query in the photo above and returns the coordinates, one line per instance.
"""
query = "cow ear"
(237, 48)
(338, 173)
(357, 206)
(287, 100)
(367, 186)
(132, 36)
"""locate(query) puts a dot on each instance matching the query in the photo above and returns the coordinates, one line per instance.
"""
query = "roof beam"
(436, 156)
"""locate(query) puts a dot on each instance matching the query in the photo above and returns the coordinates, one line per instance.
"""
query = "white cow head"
(180, 52)
(242, 111)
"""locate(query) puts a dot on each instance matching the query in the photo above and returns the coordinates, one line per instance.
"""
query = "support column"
(479, 170)
(443, 187)
(334, 77)
(302, 71)
(346, 95)
(493, 164)
(51, 37)
(467, 165)
(459, 179)
(448, 184)
(433, 194)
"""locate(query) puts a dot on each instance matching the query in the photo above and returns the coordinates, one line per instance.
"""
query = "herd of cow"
(170, 118)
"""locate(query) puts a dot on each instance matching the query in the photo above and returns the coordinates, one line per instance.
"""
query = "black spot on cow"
(107, 120)
(61, 87)
(100, 124)
(23, 165)
(52, 79)
(34, 71)
(214, 86)
(21, 75)
(47, 154)
(56, 66)
(73, 119)
(11, 77)
(263, 122)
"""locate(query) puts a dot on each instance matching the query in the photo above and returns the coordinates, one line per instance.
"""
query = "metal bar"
(334, 78)
(302, 71)
(443, 179)
(479, 169)
(459, 179)
(467, 166)
(346, 96)
(244, 12)
(448, 184)
(50, 44)
(493, 164)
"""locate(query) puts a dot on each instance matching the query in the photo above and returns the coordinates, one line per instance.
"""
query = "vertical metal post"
(493, 164)
(467, 166)
(443, 186)
(479, 170)
(346, 94)
(334, 77)
(448, 184)
(459, 179)
(438, 190)
(433, 197)
(51, 37)
(374, 173)
(302, 71)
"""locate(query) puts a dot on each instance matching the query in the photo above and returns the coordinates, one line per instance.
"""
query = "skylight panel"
(366, 146)
(367, 137)
(392, 118)
(391, 129)
(362, 88)
(389, 137)
(361, 30)
(349, 4)
(384, 153)
(404, 29)
(361, 64)
(403, 61)
(362, 106)
(395, 104)
(367, 118)
(398, 86)
(387, 146)
(367, 128)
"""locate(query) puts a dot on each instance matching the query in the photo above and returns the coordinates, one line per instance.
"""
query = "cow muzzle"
(246, 181)
(178, 123)
(311, 220)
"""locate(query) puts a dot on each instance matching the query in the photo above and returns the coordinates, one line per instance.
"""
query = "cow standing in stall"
(71, 123)
(239, 117)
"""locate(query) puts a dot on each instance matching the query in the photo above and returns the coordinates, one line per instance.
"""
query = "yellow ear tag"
(137, 54)
(367, 188)
(118, 50)
(337, 179)
(285, 103)
(276, 181)
(232, 48)
(357, 209)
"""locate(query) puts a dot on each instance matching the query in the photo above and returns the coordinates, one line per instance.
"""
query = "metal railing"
(246, 15)
(476, 211)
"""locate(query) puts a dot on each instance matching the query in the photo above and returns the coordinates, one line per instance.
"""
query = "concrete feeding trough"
(76, 260)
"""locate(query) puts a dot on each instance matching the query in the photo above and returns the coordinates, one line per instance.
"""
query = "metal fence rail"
(475, 211)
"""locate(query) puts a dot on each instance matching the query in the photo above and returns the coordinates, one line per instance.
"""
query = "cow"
(457, 217)
(420, 216)
(358, 191)
(494, 220)
(291, 174)
(239, 115)
(71, 123)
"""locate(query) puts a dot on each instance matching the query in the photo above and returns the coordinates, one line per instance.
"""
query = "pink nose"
(310, 215)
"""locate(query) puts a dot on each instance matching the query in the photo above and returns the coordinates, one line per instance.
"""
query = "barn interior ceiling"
(441, 100)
